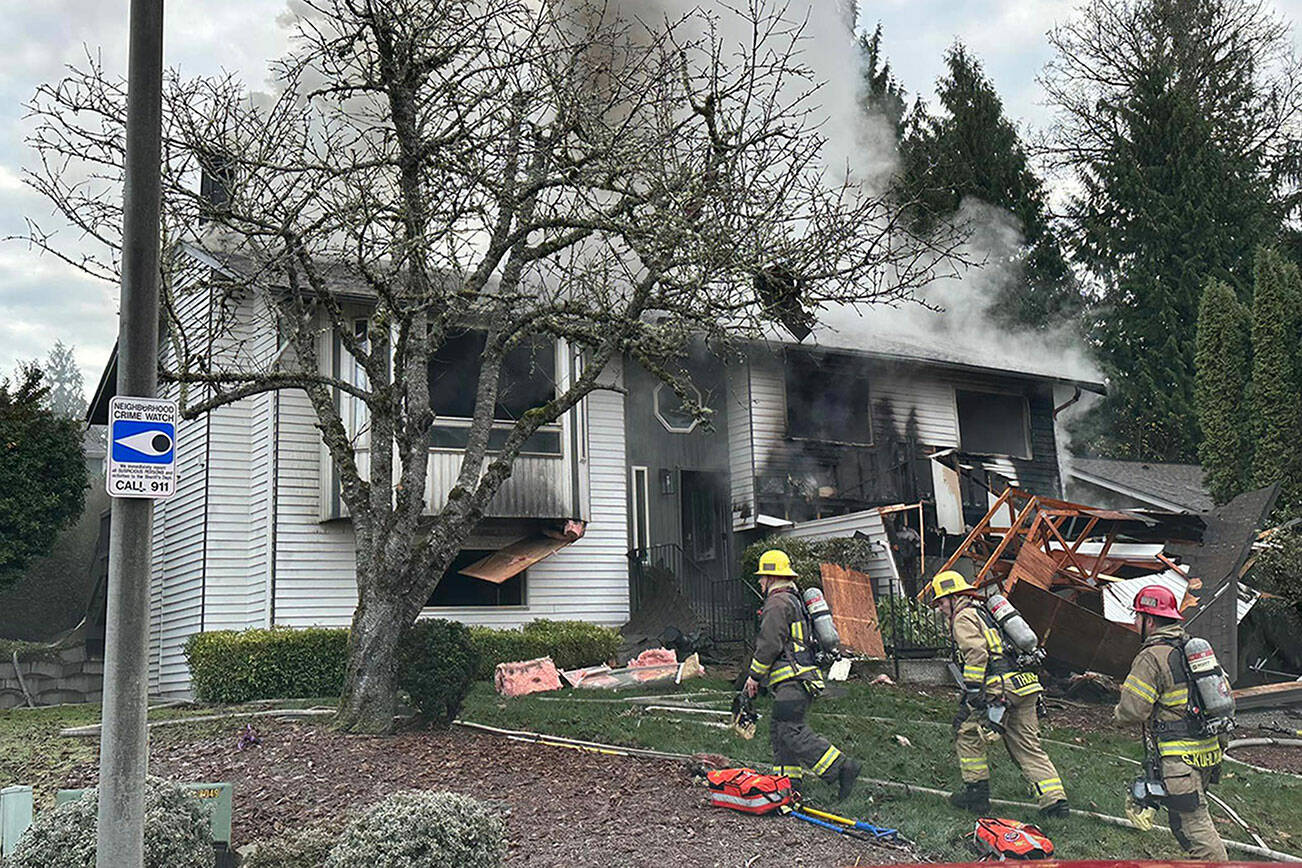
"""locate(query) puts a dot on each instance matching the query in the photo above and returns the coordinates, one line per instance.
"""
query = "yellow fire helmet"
(947, 583)
(775, 562)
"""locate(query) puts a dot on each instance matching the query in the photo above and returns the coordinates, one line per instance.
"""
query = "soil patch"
(563, 807)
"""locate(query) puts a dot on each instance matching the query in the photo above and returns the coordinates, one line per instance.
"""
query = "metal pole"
(124, 739)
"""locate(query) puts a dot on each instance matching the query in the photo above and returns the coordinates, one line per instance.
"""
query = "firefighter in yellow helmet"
(992, 679)
(784, 661)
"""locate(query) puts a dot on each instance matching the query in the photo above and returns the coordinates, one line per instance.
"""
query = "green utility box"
(216, 799)
(15, 817)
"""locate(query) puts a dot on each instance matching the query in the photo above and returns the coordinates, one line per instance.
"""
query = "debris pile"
(1073, 570)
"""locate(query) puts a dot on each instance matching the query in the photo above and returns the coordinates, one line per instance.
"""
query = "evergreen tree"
(1223, 370)
(973, 150)
(882, 93)
(67, 388)
(1174, 114)
(1276, 402)
(42, 473)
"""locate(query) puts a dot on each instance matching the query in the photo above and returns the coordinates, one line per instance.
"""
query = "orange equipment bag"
(998, 840)
(748, 791)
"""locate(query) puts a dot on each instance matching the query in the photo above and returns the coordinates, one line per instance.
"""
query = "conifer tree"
(1276, 402)
(972, 149)
(1174, 119)
(1223, 370)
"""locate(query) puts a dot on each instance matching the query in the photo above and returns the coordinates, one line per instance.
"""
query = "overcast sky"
(43, 301)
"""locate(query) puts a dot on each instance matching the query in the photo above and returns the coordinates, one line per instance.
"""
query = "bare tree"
(533, 170)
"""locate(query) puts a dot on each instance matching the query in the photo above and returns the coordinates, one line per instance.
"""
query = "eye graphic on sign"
(152, 443)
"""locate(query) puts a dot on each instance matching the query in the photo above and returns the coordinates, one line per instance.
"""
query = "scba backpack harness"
(999, 840)
(748, 791)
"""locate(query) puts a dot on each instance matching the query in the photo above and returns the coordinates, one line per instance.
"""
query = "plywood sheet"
(854, 611)
(1034, 566)
(514, 558)
(1075, 635)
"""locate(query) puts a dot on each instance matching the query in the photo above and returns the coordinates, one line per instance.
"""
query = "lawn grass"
(1095, 777)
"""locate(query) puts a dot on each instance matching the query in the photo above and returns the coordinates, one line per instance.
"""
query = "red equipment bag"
(998, 840)
(748, 791)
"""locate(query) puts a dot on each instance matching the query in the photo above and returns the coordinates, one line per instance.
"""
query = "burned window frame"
(547, 442)
(1027, 453)
(848, 366)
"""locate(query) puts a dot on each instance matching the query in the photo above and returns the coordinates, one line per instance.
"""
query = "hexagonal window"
(670, 411)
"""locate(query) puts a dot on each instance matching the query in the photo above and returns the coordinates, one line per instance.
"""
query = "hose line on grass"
(616, 750)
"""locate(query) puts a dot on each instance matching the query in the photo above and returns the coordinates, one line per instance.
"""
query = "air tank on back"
(821, 614)
(1214, 695)
(1013, 624)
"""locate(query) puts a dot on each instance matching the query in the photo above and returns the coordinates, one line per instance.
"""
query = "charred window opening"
(827, 399)
(456, 590)
(528, 380)
(993, 423)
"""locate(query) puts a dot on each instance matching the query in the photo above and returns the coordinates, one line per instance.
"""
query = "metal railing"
(720, 604)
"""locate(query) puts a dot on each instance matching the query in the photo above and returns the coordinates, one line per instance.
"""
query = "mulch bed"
(563, 807)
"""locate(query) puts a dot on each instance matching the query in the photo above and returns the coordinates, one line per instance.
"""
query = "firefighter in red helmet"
(1156, 694)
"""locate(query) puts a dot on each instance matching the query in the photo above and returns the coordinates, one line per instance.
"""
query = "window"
(993, 423)
(456, 590)
(671, 412)
(641, 524)
(528, 380)
(827, 399)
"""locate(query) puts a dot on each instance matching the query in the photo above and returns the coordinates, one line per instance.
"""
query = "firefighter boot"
(1059, 809)
(846, 778)
(974, 797)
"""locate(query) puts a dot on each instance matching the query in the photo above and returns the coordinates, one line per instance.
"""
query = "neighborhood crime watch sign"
(142, 448)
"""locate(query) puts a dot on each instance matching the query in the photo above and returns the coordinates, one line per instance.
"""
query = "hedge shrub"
(422, 830)
(305, 848)
(570, 644)
(177, 832)
(283, 663)
(437, 661)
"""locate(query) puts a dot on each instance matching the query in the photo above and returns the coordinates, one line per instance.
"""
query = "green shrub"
(285, 663)
(307, 848)
(906, 623)
(422, 830)
(570, 644)
(177, 833)
(228, 666)
(437, 662)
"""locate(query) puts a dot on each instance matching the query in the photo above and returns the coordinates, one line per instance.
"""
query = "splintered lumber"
(1268, 695)
(854, 611)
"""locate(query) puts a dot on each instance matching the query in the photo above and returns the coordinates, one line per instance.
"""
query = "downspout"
(1065, 404)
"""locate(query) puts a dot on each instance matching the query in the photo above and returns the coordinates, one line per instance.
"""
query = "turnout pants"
(1022, 739)
(1186, 803)
(796, 747)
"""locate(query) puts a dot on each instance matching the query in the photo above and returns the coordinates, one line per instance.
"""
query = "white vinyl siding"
(882, 569)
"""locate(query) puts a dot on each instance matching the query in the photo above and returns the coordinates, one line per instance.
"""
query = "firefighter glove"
(1142, 816)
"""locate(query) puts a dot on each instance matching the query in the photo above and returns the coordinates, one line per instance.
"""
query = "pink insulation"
(654, 657)
(527, 676)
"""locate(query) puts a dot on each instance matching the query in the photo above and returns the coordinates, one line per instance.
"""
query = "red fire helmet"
(1157, 600)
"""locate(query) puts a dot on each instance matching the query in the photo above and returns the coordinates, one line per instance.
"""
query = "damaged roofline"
(1143, 496)
(1097, 387)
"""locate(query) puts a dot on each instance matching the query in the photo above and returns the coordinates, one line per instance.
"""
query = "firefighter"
(784, 662)
(1156, 695)
(991, 678)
